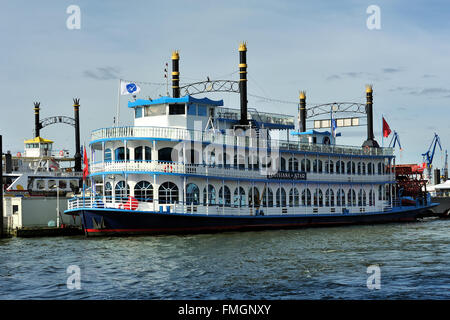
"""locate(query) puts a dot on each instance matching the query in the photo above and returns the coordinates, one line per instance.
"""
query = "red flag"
(386, 129)
(86, 165)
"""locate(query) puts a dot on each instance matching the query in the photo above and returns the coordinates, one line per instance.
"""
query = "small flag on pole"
(386, 129)
(86, 165)
(128, 88)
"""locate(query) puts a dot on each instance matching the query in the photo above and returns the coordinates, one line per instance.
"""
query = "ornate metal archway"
(57, 119)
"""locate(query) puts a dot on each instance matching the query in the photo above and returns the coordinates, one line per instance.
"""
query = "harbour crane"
(429, 155)
(395, 139)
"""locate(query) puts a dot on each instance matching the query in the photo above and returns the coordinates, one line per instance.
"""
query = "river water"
(317, 263)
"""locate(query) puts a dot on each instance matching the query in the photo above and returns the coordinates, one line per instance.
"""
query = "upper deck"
(222, 138)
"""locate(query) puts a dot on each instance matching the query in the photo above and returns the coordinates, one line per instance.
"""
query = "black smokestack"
(302, 112)
(175, 75)
(243, 82)
(37, 125)
(370, 142)
(76, 108)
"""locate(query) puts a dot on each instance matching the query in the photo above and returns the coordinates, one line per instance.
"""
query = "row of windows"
(168, 193)
(305, 165)
(161, 110)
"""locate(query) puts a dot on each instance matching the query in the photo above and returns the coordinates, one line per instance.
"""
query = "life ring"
(19, 154)
(168, 168)
(61, 153)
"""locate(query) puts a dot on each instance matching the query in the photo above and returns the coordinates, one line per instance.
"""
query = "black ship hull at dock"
(106, 222)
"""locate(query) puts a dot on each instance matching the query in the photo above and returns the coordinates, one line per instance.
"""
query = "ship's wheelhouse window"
(306, 197)
(192, 109)
(192, 194)
(318, 198)
(108, 155)
(168, 193)
(165, 154)
(306, 165)
(138, 112)
(150, 111)
(201, 111)
(120, 154)
(108, 192)
(225, 196)
(340, 199)
(239, 197)
(351, 198)
(121, 191)
(294, 198)
(176, 109)
(211, 196)
(293, 164)
(281, 197)
(253, 197)
(282, 164)
(143, 191)
(268, 197)
(329, 198)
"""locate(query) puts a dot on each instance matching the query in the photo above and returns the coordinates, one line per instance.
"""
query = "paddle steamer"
(191, 165)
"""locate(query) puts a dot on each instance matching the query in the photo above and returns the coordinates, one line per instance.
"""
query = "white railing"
(114, 203)
(231, 140)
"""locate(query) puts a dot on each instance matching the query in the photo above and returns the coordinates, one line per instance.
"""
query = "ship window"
(369, 168)
(192, 194)
(74, 185)
(351, 198)
(363, 168)
(340, 199)
(138, 112)
(318, 198)
(211, 196)
(201, 111)
(62, 184)
(239, 197)
(51, 184)
(294, 198)
(143, 191)
(108, 155)
(224, 193)
(121, 192)
(192, 109)
(281, 198)
(361, 198)
(306, 165)
(168, 193)
(379, 168)
(108, 192)
(329, 198)
(150, 111)
(139, 154)
(176, 109)
(40, 184)
(120, 154)
(253, 161)
(283, 164)
(165, 154)
(253, 197)
(306, 197)
(293, 164)
(359, 168)
(241, 163)
(268, 194)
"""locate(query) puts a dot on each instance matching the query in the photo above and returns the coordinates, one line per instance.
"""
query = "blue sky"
(322, 47)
